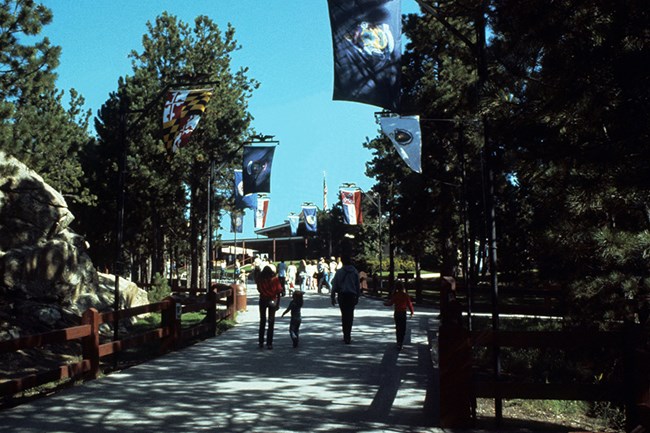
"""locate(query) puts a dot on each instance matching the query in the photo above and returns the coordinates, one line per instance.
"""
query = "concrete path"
(228, 384)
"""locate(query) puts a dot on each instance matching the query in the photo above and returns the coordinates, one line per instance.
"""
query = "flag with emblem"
(366, 38)
(404, 132)
(351, 202)
(256, 168)
(236, 222)
(261, 211)
(243, 201)
(309, 214)
(181, 115)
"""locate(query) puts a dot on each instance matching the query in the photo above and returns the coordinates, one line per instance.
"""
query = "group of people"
(315, 275)
(345, 290)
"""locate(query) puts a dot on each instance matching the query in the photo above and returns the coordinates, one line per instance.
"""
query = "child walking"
(294, 306)
(402, 301)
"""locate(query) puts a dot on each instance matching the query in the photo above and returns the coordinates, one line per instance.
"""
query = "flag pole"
(235, 262)
(209, 229)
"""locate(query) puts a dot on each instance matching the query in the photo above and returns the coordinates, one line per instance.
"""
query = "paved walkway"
(228, 384)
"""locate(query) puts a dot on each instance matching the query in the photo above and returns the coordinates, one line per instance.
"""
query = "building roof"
(283, 229)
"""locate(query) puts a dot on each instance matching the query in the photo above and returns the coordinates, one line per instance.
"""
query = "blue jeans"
(324, 279)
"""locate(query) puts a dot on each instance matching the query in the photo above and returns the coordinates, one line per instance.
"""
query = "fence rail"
(169, 334)
(460, 384)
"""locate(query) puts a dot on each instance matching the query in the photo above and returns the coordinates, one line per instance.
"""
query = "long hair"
(267, 273)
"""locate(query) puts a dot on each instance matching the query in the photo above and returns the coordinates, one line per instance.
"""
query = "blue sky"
(286, 44)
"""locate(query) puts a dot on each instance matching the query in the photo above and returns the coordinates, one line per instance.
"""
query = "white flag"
(405, 134)
(260, 212)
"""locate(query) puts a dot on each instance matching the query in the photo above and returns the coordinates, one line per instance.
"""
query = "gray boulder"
(46, 276)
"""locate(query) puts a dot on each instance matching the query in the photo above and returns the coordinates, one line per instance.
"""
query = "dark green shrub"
(159, 289)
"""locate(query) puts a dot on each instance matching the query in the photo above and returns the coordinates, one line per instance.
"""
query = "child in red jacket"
(402, 302)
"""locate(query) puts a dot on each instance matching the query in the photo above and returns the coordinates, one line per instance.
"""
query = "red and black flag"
(181, 115)
(366, 37)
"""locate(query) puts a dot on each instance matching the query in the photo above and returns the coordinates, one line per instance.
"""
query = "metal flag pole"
(235, 262)
(209, 228)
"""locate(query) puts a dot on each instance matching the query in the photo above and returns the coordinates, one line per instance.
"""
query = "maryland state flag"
(351, 201)
(243, 201)
(366, 37)
(260, 212)
(404, 132)
(256, 168)
(181, 115)
(309, 213)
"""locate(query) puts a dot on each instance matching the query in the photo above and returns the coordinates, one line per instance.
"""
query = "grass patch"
(572, 414)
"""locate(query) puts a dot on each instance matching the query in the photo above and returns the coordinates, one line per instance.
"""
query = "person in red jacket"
(270, 291)
(402, 302)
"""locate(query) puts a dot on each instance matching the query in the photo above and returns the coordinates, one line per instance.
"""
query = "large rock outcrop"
(46, 276)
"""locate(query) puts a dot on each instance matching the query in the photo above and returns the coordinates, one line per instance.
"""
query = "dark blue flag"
(236, 222)
(309, 213)
(256, 168)
(243, 201)
(366, 37)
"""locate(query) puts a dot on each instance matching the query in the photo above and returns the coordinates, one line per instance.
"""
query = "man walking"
(346, 285)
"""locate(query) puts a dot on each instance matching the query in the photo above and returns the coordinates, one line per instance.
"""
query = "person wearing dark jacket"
(346, 287)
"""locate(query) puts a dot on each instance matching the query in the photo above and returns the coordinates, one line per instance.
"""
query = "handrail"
(169, 334)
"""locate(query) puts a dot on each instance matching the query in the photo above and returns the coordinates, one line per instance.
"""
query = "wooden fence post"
(171, 321)
(211, 311)
(90, 344)
(636, 379)
(455, 360)
(232, 303)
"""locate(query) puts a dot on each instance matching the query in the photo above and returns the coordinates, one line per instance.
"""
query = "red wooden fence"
(169, 334)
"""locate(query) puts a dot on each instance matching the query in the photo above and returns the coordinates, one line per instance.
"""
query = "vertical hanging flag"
(366, 37)
(256, 168)
(309, 213)
(243, 201)
(294, 221)
(351, 201)
(181, 115)
(236, 222)
(260, 212)
(404, 132)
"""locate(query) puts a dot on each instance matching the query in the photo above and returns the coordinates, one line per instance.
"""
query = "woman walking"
(270, 289)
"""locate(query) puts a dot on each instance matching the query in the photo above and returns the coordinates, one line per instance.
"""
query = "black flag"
(256, 168)
(366, 36)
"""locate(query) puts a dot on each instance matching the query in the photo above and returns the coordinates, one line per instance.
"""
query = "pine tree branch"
(446, 24)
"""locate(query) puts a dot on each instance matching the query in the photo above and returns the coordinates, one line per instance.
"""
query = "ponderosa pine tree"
(35, 126)
(165, 188)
